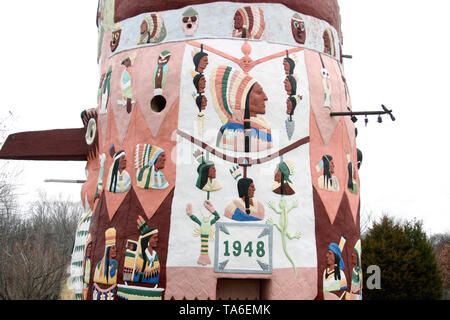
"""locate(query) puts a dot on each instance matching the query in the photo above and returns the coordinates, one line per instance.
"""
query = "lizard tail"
(289, 257)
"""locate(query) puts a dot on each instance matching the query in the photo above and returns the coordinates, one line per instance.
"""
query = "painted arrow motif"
(263, 266)
(224, 229)
(265, 232)
(222, 265)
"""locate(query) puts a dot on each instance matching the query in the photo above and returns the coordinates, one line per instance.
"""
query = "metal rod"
(64, 181)
(359, 113)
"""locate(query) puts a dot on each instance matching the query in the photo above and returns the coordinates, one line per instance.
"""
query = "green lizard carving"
(283, 225)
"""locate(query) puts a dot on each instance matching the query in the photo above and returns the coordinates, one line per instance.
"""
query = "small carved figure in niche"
(206, 174)
(147, 266)
(298, 29)
(333, 276)
(127, 83)
(104, 89)
(239, 101)
(200, 59)
(245, 208)
(189, 21)
(152, 30)
(328, 43)
(357, 275)
(283, 184)
(327, 181)
(106, 269)
(115, 37)
(351, 184)
(119, 181)
(249, 23)
(160, 73)
(205, 230)
(149, 162)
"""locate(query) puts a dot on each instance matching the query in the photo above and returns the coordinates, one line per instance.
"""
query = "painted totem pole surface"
(212, 158)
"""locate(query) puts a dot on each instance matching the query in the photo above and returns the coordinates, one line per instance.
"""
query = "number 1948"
(237, 249)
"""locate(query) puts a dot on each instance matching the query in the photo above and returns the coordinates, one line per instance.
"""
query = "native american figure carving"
(240, 104)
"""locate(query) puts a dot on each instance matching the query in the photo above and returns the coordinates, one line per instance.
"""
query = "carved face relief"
(203, 64)
(257, 100)
(238, 21)
(332, 167)
(115, 39)
(287, 67)
(123, 163)
(162, 61)
(289, 106)
(212, 172)
(202, 85)
(327, 43)
(251, 191)
(189, 24)
(161, 162)
(144, 27)
(204, 103)
(298, 29)
(153, 241)
(330, 259)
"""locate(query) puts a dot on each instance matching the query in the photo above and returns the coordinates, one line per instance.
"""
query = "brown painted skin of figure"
(144, 27)
(153, 243)
(251, 194)
(287, 67)
(203, 64)
(257, 99)
(329, 259)
(204, 103)
(287, 189)
(289, 106)
(202, 85)
(122, 163)
(298, 31)
(326, 41)
(160, 162)
(287, 86)
(332, 167)
(238, 22)
(115, 40)
(212, 173)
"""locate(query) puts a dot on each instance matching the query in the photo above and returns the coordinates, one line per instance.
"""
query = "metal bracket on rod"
(353, 114)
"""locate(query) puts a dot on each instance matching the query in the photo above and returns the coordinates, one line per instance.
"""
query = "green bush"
(409, 269)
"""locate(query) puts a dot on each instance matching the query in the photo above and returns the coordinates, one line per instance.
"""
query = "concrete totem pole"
(215, 170)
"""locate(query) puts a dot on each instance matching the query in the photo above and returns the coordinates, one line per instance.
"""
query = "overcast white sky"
(400, 59)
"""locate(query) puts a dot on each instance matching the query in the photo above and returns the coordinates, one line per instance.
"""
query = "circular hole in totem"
(158, 103)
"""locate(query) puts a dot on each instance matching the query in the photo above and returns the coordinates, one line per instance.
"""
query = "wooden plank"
(50, 145)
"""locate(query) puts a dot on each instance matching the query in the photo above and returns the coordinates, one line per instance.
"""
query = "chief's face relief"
(257, 100)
